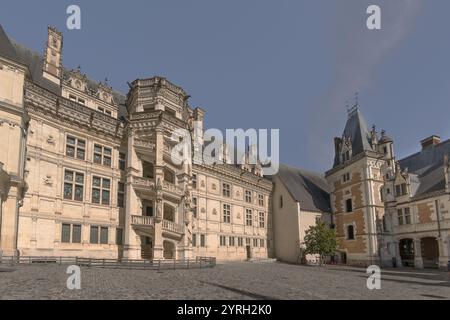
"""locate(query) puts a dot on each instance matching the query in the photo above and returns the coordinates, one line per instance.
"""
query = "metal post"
(159, 265)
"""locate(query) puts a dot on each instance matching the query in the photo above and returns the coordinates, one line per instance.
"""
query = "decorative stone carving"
(48, 180)
(51, 140)
(214, 212)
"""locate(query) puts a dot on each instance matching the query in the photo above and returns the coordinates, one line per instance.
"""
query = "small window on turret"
(385, 150)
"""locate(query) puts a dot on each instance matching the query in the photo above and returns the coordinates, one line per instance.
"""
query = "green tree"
(321, 240)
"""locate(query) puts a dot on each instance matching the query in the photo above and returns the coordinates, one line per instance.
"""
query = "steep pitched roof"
(310, 189)
(426, 169)
(357, 131)
(6, 48)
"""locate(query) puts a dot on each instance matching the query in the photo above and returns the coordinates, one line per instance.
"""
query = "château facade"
(388, 211)
(89, 172)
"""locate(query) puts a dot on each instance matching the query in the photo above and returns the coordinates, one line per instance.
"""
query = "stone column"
(418, 261)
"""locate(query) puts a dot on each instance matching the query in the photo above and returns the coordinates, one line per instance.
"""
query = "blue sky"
(285, 64)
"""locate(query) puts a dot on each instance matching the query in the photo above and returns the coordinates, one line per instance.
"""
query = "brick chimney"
(430, 141)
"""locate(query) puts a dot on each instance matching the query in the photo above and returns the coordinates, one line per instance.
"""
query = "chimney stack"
(430, 142)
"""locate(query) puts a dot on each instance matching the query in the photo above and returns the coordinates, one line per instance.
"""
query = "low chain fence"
(197, 263)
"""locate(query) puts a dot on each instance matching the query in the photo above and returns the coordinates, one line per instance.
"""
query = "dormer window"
(400, 190)
(346, 177)
(346, 156)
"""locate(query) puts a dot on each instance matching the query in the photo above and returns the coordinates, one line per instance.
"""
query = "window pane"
(104, 235)
(95, 195)
(107, 151)
(106, 183)
(81, 143)
(97, 149)
(67, 191)
(70, 151)
(65, 233)
(80, 154)
(105, 197)
(97, 158)
(68, 176)
(76, 233)
(70, 140)
(94, 235)
(79, 178)
(96, 181)
(107, 161)
(79, 193)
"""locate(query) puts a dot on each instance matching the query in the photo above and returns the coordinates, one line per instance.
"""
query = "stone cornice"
(55, 107)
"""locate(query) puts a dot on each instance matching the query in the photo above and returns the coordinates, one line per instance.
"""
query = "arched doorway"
(146, 248)
(406, 247)
(169, 250)
(430, 252)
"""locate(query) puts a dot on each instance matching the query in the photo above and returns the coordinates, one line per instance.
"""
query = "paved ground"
(225, 281)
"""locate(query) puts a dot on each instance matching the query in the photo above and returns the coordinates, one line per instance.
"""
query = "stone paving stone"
(226, 281)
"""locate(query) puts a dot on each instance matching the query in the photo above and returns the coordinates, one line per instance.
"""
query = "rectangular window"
(261, 220)
(65, 233)
(202, 240)
(121, 194)
(109, 113)
(104, 235)
(231, 241)
(261, 200)
(81, 101)
(72, 97)
(102, 155)
(240, 242)
(255, 242)
(223, 241)
(73, 185)
(194, 240)
(400, 217)
(226, 213)
(119, 236)
(70, 233)
(403, 186)
(75, 148)
(94, 235)
(101, 190)
(248, 217)
(407, 213)
(398, 191)
(194, 207)
(247, 241)
(194, 181)
(122, 161)
(348, 205)
(248, 196)
(226, 190)
(261, 243)
(99, 235)
(346, 177)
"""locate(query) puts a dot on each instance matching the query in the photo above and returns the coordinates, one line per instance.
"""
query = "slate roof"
(310, 189)
(426, 169)
(6, 48)
(356, 129)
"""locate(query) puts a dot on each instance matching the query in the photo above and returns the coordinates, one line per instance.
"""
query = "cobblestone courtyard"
(225, 281)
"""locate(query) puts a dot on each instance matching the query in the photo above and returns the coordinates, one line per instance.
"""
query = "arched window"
(350, 232)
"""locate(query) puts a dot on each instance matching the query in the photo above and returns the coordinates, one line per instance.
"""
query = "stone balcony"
(146, 224)
(142, 221)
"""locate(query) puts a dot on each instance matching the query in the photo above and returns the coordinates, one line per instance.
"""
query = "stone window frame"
(402, 214)
(353, 224)
(351, 203)
(103, 154)
(240, 242)
(223, 241)
(262, 219)
(248, 217)
(194, 181)
(261, 200)
(231, 241)
(101, 189)
(248, 196)
(100, 229)
(120, 194)
(71, 233)
(226, 213)
(74, 184)
(226, 190)
(346, 177)
(76, 146)
(122, 161)
(202, 240)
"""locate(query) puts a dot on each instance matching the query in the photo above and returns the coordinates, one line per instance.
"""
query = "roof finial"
(356, 98)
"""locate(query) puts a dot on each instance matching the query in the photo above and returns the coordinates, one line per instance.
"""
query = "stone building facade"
(388, 211)
(89, 172)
